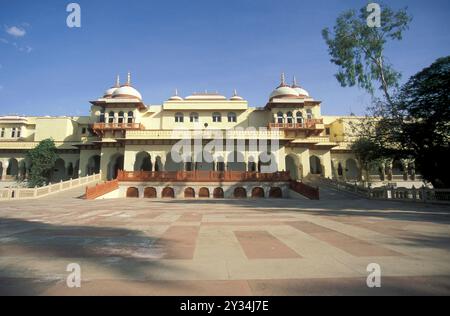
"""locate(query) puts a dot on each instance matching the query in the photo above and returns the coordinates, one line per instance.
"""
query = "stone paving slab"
(223, 247)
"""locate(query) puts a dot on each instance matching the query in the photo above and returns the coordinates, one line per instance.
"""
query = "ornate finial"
(283, 81)
(235, 93)
(294, 82)
(117, 82)
(176, 92)
(129, 78)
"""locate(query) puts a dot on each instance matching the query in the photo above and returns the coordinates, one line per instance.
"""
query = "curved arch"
(257, 192)
(193, 117)
(275, 193)
(189, 193)
(299, 117)
(218, 193)
(315, 165)
(203, 193)
(236, 162)
(168, 192)
(143, 162)
(240, 193)
(232, 117)
(216, 117)
(267, 162)
(289, 117)
(179, 117)
(171, 165)
(115, 164)
(280, 118)
(351, 169)
(59, 170)
(111, 117)
(13, 167)
(120, 117)
(93, 165)
(130, 118)
(291, 163)
(132, 192)
(150, 193)
(251, 165)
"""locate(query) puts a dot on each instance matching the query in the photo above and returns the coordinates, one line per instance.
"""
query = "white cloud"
(16, 31)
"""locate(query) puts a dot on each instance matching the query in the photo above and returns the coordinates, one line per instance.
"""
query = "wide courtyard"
(223, 247)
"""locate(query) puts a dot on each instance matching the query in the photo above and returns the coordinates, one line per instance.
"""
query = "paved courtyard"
(223, 247)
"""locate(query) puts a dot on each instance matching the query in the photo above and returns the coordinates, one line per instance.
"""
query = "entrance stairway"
(327, 191)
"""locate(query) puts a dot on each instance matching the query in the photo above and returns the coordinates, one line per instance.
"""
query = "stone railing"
(310, 192)
(101, 189)
(307, 124)
(422, 194)
(201, 176)
(33, 193)
(206, 134)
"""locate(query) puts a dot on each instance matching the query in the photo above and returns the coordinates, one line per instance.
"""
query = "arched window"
(120, 118)
(179, 117)
(299, 117)
(193, 117)
(280, 118)
(216, 117)
(309, 115)
(111, 117)
(232, 117)
(130, 117)
(102, 116)
(289, 118)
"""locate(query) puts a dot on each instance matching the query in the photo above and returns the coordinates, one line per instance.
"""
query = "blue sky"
(192, 45)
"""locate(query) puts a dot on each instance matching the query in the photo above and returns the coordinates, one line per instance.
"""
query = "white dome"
(175, 98)
(127, 92)
(108, 93)
(236, 97)
(283, 91)
(301, 91)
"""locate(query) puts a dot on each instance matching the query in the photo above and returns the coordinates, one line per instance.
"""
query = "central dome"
(126, 92)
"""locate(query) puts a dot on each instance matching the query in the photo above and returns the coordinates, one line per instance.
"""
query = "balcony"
(101, 128)
(310, 127)
(202, 176)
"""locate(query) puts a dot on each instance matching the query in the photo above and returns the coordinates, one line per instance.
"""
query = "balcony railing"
(202, 176)
(307, 124)
(117, 126)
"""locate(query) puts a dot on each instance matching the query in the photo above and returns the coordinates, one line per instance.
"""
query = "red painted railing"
(201, 176)
(310, 192)
(307, 124)
(117, 126)
(101, 189)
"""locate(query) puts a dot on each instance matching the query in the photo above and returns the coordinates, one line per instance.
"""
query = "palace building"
(122, 132)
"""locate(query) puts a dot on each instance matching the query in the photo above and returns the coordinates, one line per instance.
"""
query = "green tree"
(418, 122)
(42, 159)
(367, 153)
(358, 50)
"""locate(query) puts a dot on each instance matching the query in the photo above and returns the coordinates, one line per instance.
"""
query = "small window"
(309, 115)
(111, 117)
(327, 131)
(280, 118)
(299, 118)
(193, 117)
(120, 118)
(179, 118)
(83, 130)
(289, 117)
(19, 132)
(102, 116)
(13, 132)
(217, 117)
(232, 117)
(2, 132)
(130, 117)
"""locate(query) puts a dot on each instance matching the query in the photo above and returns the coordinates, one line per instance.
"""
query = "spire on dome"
(294, 82)
(117, 82)
(283, 81)
(176, 92)
(129, 79)
(235, 93)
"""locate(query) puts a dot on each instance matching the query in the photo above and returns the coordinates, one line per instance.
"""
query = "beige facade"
(122, 132)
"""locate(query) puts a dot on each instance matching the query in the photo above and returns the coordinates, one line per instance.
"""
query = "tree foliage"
(42, 158)
(358, 50)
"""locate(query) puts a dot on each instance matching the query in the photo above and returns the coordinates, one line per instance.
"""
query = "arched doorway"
(258, 192)
(203, 193)
(172, 165)
(275, 193)
(150, 193)
(132, 192)
(292, 166)
(218, 193)
(189, 193)
(204, 162)
(315, 166)
(115, 164)
(13, 168)
(22, 170)
(351, 170)
(93, 165)
(168, 192)
(59, 171)
(240, 193)
(158, 164)
(236, 162)
(252, 167)
(143, 162)
(267, 163)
